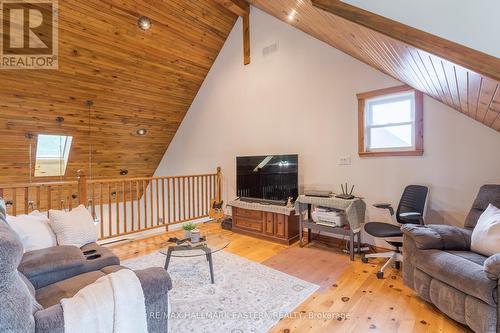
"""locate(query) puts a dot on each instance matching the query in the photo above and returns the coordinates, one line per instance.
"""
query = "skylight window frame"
(66, 151)
(367, 100)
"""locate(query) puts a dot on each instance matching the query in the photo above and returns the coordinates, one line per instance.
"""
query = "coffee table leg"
(167, 261)
(210, 264)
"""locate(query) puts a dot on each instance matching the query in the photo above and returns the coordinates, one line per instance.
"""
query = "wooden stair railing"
(120, 206)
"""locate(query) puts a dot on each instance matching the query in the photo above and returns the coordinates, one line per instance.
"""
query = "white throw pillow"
(33, 230)
(486, 235)
(73, 228)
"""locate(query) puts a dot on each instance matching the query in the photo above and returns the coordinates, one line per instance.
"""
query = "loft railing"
(120, 206)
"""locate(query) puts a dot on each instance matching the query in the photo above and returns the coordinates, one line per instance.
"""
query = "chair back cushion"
(16, 307)
(488, 194)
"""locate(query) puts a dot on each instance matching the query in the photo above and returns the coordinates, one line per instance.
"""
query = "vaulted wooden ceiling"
(136, 79)
(465, 79)
(139, 79)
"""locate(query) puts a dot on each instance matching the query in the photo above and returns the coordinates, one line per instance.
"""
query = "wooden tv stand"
(276, 227)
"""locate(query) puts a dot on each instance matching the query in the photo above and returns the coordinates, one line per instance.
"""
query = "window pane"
(391, 112)
(391, 137)
(52, 155)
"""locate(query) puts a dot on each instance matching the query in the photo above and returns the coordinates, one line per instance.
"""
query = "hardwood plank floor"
(346, 287)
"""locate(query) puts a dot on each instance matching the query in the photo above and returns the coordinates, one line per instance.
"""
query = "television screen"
(270, 177)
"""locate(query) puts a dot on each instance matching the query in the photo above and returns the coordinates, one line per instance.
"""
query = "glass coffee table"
(214, 242)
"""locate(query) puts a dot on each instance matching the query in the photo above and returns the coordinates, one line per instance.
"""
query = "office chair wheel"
(397, 264)
(364, 259)
(380, 275)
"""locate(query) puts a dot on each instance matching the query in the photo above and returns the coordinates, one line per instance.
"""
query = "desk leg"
(309, 236)
(351, 244)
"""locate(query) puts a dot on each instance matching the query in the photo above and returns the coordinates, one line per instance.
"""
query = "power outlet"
(345, 160)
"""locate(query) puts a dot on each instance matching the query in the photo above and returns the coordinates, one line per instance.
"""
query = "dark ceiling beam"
(461, 55)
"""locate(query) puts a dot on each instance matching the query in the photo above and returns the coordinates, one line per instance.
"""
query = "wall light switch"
(345, 160)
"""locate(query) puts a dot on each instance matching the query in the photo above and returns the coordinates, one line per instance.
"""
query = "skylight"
(52, 152)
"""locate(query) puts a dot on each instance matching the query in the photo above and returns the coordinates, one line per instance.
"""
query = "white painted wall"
(471, 23)
(302, 100)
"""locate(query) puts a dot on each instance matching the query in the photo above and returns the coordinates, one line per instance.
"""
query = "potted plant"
(188, 227)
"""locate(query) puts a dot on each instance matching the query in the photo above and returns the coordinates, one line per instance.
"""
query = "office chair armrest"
(385, 206)
(492, 267)
(438, 237)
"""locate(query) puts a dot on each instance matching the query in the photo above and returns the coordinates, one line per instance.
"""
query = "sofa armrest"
(438, 237)
(492, 267)
(49, 320)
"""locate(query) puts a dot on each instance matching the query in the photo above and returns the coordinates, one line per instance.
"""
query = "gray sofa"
(31, 285)
(441, 268)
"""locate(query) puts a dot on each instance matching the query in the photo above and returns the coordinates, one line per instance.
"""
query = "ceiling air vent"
(270, 49)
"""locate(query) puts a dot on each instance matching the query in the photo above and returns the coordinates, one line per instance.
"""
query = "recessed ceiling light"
(142, 131)
(123, 172)
(291, 15)
(144, 23)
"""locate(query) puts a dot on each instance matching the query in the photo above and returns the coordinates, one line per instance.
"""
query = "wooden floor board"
(345, 287)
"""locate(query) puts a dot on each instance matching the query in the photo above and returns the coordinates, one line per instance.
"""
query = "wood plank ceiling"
(136, 79)
(465, 79)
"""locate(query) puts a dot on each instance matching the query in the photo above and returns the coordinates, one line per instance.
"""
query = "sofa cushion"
(76, 227)
(34, 231)
(46, 266)
(459, 270)
(52, 294)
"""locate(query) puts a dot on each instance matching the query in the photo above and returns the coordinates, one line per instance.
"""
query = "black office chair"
(410, 210)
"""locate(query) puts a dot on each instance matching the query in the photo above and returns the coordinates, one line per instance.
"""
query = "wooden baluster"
(210, 197)
(151, 203)
(101, 210)
(117, 203)
(60, 199)
(204, 191)
(157, 202)
(168, 200)
(174, 200)
(110, 202)
(198, 196)
(179, 198)
(124, 197)
(144, 194)
(132, 210)
(93, 200)
(38, 200)
(138, 194)
(190, 198)
(14, 202)
(26, 200)
(49, 198)
(163, 199)
(183, 198)
(82, 188)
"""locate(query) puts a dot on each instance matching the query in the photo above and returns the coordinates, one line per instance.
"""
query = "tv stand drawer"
(249, 214)
(249, 224)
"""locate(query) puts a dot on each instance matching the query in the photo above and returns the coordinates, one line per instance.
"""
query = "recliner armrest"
(492, 267)
(438, 237)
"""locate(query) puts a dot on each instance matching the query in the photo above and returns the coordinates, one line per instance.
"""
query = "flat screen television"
(268, 177)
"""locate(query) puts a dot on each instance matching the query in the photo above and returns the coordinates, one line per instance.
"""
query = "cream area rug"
(247, 297)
